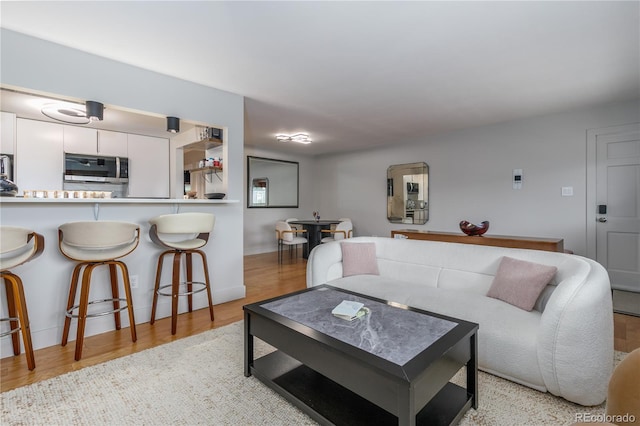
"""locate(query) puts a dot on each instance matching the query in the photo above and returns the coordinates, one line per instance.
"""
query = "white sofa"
(563, 346)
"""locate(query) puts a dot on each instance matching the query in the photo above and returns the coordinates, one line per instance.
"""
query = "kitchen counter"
(115, 200)
(46, 279)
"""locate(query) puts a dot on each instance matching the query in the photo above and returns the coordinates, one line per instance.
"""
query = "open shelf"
(207, 169)
(203, 144)
(331, 404)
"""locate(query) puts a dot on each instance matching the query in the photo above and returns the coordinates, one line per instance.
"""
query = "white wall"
(39, 65)
(260, 223)
(471, 177)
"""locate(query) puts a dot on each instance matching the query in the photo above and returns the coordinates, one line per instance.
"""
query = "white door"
(617, 205)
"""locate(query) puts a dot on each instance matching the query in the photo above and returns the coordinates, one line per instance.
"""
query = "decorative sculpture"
(474, 230)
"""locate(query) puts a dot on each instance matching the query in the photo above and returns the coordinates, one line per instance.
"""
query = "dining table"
(314, 231)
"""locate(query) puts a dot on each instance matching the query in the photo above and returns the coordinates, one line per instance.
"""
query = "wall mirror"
(271, 183)
(408, 193)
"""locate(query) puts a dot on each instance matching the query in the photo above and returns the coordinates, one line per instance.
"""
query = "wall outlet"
(567, 191)
(133, 280)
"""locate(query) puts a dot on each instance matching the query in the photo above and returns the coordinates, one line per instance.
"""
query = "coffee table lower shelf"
(329, 403)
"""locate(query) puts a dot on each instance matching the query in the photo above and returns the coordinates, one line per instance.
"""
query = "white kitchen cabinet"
(114, 144)
(148, 167)
(39, 158)
(7, 133)
(80, 140)
(85, 140)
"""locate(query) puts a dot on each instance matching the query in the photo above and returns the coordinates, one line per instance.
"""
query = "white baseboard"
(626, 302)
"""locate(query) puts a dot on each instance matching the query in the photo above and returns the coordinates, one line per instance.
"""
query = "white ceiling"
(359, 74)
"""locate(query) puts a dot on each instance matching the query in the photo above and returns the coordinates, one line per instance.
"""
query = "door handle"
(602, 219)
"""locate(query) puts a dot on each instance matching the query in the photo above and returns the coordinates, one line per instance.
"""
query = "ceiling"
(361, 74)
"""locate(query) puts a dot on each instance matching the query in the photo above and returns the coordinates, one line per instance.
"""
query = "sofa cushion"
(377, 286)
(359, 259)
(507, 336)
(519, 282)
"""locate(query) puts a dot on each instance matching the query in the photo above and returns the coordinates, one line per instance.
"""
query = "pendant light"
(95, 110)
(173, 124)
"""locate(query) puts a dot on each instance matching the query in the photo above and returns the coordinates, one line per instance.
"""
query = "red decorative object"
(474, 230)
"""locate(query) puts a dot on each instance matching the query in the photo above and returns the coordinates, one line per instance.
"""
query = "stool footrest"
(70, 314)
(15, 330)
(200, 287)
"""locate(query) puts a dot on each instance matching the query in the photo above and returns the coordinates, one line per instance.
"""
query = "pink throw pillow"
(359, 259)
(519, 282)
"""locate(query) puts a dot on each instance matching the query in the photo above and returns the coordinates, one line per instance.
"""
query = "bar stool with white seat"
(94, 244)
(17, 246)
(181, 233)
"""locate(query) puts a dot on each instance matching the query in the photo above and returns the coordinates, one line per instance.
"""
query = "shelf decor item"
(474, 230)
(7, 187)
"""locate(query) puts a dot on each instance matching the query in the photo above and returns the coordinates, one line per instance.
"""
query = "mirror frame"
(271, 181)
(409, 169)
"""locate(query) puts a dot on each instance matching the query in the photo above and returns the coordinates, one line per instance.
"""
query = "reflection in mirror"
(408, 193)
(260, 192)
(271, 183)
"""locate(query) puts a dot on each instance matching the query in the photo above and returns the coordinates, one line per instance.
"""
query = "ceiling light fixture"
(94, 110)
(173, 124)
(66, 112)
(297, 137)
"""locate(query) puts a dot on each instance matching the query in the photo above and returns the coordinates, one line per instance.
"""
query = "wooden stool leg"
(82, 309)
(115, 293)
(72, 298)
(129, 297)
(189, 263)
(17, 308)
(205, 266)
(175, 289)
(10, 284)
(23, 315)
(157, 287)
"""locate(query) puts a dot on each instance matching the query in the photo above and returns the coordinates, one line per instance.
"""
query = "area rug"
(199, 380)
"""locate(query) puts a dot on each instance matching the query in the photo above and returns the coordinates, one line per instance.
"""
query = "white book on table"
(349, 310)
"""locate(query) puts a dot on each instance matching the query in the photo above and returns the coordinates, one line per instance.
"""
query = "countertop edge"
(21, 200)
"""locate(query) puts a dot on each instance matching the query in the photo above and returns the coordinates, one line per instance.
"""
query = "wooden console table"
(546, 244)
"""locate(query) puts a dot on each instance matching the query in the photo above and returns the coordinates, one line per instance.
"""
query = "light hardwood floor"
(264, 278)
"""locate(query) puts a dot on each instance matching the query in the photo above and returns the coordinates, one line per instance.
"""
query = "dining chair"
(343, 230)
(287, 236)
(293, 226)
(342, 219)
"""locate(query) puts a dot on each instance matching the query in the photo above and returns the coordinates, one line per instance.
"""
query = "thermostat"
(517, 178)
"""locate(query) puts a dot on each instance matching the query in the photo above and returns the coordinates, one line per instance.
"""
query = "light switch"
(567, 191)
(517, 178)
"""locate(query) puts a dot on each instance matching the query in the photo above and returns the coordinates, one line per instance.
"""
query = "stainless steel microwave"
(412, 188)
(94, 168)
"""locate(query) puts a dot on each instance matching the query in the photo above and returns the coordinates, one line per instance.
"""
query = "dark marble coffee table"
(390, 367)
